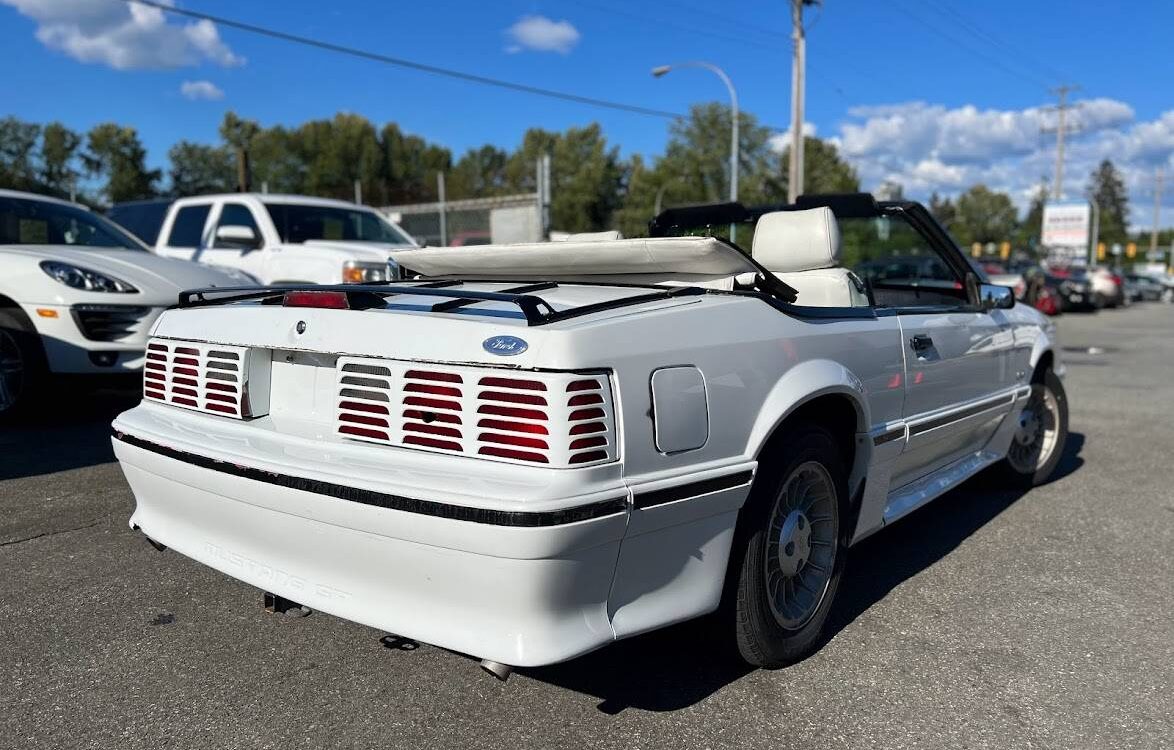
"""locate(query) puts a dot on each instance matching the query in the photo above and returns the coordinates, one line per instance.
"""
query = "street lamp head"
(660, 70)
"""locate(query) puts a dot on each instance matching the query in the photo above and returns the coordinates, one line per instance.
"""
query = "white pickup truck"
(534, 450)
(283, 239)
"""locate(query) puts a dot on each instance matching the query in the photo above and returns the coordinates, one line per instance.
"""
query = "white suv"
(281, 239)
(78, 294)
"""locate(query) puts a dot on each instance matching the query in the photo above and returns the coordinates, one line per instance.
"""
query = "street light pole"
(661, 70)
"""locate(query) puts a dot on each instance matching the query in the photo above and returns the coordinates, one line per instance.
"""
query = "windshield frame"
(78, 213)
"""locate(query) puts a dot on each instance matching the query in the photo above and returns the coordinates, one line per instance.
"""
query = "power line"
(743, 26)
(976, 51)
(669, 23)
(410, 64)
(993, 39)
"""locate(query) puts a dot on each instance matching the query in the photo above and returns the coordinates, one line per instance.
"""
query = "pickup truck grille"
(210, 378)
(554, 419)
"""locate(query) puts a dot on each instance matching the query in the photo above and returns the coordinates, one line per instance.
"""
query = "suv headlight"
(85, 279)
(358, 271)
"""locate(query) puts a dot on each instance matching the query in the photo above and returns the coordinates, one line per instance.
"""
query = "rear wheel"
(22, 364)
(1038, 443)
(789, 551)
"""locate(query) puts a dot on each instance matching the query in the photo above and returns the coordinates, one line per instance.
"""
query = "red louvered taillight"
(232, 381)
(559, 420)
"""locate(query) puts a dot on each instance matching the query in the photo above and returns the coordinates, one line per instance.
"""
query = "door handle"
(921, 342)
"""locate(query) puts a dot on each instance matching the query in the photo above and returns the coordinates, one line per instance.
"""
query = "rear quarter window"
(188, 228)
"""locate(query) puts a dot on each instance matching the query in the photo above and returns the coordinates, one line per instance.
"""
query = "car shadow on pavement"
(680, 666)
(69, 430)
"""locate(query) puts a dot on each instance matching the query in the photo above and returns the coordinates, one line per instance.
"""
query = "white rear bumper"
(519, 595)
(520, 565)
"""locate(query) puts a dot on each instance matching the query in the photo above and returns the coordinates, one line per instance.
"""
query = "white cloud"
(196, 90)
(779, 141)
(933, 148)
(541, 34)
(124, 36)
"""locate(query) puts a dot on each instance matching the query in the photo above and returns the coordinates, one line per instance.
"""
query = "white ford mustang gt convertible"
(529, 451)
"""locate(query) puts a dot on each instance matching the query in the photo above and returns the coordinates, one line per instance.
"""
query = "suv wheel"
(22, 364)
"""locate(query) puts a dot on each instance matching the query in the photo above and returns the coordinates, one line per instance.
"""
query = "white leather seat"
(802, 248)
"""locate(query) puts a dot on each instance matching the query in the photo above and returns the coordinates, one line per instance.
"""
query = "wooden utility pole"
(798, 73)
(1061, 130)
(242, 169)
(1159, 177)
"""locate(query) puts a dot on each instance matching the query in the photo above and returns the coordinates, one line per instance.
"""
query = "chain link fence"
(475, 221)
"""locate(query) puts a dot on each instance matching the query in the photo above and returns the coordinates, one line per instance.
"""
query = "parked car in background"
(1108, 288)
(283, 239)
(143, 219)
(998, 273)
(1167, 282)
(78, 295)
(465, 239)
(538, 449)
(1145, 288)
(1073, 289)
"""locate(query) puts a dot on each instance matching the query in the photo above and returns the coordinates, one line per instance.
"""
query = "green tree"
(337, 152)
(116, 153)
(59, 146)
(410, 165)
(823, 169)
(481, 172)
(18, 143)
(647, 190)
(943, 210)
(197, 169)
(698, 152)
(984, 216)
(1106, 188)
(276, 161)
(586, 175)
(240, 134)
(695, 167)
(1031, 227)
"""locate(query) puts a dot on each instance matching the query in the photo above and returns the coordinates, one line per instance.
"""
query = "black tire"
(22, 364)
(762, 639)
(1027, 473)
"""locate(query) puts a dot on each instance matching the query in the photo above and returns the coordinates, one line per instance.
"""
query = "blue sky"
(936, 95)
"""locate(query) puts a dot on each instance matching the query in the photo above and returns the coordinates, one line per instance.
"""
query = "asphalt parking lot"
(992, 618)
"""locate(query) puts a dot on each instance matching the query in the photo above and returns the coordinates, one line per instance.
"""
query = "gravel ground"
(990, 619)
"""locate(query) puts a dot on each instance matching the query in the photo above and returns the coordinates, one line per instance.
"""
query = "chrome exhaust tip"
(497, 669)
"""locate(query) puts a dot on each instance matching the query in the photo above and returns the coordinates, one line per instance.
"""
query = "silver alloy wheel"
(11, 370)
(801, 545)
(1039, 429)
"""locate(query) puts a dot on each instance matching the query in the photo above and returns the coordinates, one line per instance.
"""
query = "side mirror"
(237, 235)
(995, 297)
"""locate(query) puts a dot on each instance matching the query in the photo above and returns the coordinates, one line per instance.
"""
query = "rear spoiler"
(532, 308)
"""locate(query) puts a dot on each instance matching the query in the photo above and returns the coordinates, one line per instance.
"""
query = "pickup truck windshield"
(303, 223)
(32, 222)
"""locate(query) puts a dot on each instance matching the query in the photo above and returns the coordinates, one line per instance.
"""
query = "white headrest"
(790, 241)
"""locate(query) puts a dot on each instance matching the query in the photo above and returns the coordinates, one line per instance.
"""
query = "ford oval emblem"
(504, 346)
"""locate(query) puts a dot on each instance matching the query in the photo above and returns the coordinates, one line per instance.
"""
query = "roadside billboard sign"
(1066, 231)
